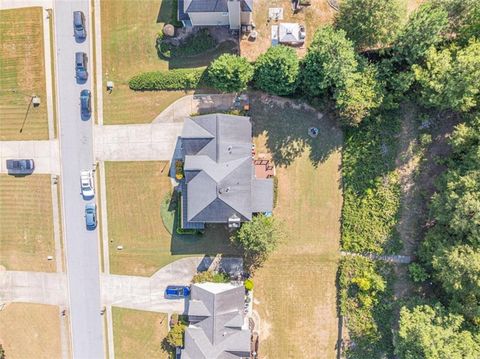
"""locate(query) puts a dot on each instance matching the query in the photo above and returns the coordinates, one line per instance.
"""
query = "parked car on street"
(86, 183)
(79, 26)
(177, 291)
(85, 104)
(81, 67)
(91, 216)
(20, 167)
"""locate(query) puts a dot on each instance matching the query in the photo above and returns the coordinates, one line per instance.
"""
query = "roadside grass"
(135, 193)
(295, 292)
(139, 334)
(26, 230)
(22, 68)
(30, 331)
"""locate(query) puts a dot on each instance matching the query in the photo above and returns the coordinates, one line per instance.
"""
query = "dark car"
(177, 291)
(20, 167)
(79, 26)
(91, 216)
(81, 66)
(85, 104)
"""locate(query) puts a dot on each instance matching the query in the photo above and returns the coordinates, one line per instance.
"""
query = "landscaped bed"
(22, 74)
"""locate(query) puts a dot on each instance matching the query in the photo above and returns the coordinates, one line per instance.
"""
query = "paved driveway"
(136, 142)
(44, 154)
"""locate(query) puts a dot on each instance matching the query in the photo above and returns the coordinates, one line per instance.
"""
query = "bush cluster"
(181, 79)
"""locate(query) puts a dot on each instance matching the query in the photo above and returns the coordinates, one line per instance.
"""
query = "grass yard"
(22, 69)
(135, 191)
(26, 230)
(295, 292)
(139, 334)
(30, 331)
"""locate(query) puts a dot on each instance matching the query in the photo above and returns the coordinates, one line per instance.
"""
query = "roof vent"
(229, 149)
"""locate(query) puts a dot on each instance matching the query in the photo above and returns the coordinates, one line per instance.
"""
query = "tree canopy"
(230, 73)
(277, 70)
(371, 23)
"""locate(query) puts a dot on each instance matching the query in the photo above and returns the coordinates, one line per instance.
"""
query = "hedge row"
(181, 79)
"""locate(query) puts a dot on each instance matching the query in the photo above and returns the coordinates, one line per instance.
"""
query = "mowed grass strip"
(135, 191)
(129, 32)
(22, 68)
(139, 334)
(26, 223)
(295, 291)
(30, 331)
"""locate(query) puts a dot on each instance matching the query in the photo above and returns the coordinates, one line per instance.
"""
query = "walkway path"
(392, 259)
(142, 142)
(195, 104)
(44, 153)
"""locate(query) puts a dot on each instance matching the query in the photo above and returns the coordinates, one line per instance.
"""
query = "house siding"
(209, 18)
(246, 17)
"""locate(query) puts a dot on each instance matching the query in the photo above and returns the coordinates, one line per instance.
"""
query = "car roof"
(90, 206)
(85, 92)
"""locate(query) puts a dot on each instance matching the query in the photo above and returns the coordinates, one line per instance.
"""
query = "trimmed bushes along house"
(181, 79)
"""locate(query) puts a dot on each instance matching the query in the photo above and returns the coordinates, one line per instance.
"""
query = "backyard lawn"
(295, 291)
(135, 192)
(22, 73)
(139, 334)
(26, 230)
(129, 33)
(30, 331)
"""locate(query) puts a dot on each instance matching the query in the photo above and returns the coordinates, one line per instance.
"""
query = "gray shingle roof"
(216, 6)
(218, 328)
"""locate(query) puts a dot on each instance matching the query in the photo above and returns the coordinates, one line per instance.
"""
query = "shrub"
(210, 276)
(230, 73)
(175, 335)
(417, 273)
(248, 284)
(276, 71)
(181, 79)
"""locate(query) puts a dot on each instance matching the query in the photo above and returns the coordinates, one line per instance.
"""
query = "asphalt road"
(76, 154)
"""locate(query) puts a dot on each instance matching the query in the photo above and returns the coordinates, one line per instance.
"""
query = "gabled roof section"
(193, 129)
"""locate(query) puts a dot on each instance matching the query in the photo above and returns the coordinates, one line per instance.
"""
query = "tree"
(358, 96)
(371, 23)
(329, 61)
(450, 78)
(175, 335)
(430, 333)
(276, 71)
(2, 352)
(423, 30)
(230, 73)
(258, 238)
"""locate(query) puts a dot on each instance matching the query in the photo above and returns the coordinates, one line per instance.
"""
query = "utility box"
(35, 101)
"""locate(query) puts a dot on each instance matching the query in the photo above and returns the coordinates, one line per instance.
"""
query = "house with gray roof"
(218, 325)
(219, 184)
(231, 13)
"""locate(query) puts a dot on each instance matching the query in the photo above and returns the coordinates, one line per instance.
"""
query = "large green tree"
(329, 61)
(429, 333)
(258, 238)
(449, 79)
(424, 29)
(230, 73)
(371, 23)
(277, 70)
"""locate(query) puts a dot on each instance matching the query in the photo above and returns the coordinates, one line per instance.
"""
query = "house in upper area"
(218, 324)
(232, 13)
(219, 184)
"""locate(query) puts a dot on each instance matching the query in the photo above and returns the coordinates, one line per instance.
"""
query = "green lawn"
(22, 74)
(26, 224)
(129, 32)
(295, 289)
(138, 334)
(135, 191)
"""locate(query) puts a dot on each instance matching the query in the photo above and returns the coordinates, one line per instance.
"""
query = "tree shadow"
(285, 124)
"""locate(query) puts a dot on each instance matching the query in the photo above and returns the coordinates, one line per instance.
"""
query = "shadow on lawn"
(286, 123)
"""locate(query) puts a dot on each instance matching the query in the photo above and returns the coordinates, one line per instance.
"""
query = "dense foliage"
(230, 73)
(258, 238)
(181, 79)
(175, 335)
(371, 23)
(277, 70)
(432, 333)
(210, 276)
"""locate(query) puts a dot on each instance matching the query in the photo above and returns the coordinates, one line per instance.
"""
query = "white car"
(86, 182)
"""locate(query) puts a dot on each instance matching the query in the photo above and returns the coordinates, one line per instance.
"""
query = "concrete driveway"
(144, 142)
(44, 154)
